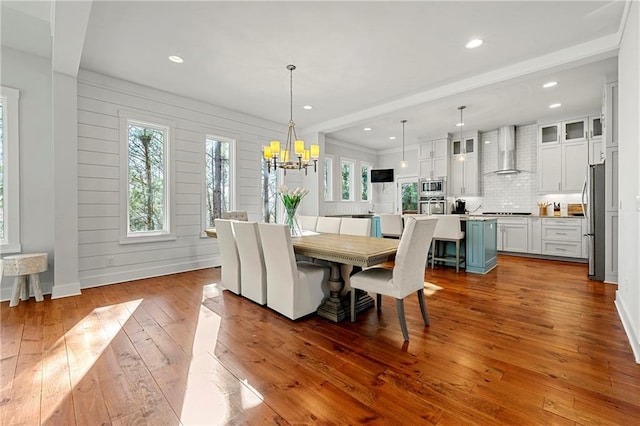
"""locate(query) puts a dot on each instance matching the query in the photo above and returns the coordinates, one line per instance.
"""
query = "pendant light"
(293, 147)
(403, 163)
(461, 124)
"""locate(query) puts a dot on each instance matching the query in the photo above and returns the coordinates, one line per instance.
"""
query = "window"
(149, 188)
(328, 178)
(218, 178)
(365, 190)
(269, 193)
(346, 179)
(9, 173)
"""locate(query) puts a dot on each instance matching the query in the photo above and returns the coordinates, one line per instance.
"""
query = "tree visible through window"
(347, 180)
(269, 194)
(364, 180)
(218, 178)
(327, 179)
(147, 178)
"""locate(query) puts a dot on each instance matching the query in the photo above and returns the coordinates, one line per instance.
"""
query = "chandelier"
(293, 148)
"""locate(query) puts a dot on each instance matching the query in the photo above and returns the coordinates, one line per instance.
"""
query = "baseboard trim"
(139, 274)
(626, 323)
(65, 290)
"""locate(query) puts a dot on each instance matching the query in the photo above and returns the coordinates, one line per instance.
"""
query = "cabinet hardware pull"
(560, 249)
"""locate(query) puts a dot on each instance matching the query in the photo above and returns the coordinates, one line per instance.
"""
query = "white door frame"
(399, 181)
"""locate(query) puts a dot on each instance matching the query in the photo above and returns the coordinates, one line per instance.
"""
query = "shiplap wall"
(100, 99)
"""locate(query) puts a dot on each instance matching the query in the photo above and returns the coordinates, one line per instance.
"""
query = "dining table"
(342, 252)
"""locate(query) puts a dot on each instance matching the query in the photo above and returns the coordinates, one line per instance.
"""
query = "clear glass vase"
(292, 222)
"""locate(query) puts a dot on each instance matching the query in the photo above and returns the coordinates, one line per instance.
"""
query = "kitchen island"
(479, 246)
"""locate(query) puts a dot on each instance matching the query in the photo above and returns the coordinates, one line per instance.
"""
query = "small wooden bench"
(20, 266)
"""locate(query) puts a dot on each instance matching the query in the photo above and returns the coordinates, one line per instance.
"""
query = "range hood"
(507, 151)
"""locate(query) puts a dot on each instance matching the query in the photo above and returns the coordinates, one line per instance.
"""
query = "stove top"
(507, 213)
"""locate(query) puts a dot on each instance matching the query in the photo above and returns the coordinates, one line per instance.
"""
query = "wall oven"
(433, 205)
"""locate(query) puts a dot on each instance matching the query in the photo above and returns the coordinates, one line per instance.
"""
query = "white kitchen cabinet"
(596, 145)
(575, 130)
(513, 234)
(611, 115)
(434, 158)
(549, 134)
(611, 247)
(534, 238)
(562, 167)
(549, 168)
(611, 180)
(467, 145)
(463, 175)
(574, 166)
(434, 167)
(434, 148)
(562, 237)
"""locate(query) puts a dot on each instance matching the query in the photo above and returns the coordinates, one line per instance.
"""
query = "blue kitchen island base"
(481, 245)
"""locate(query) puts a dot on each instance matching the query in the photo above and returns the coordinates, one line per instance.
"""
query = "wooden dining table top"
(346, 249)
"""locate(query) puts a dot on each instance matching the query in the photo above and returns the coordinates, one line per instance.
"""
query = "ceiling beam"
(69, 22)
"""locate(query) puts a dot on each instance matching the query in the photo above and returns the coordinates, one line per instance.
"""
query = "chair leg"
(457, 256)
(423, 307)
(353, 305)
(401, 318)
(378, 302)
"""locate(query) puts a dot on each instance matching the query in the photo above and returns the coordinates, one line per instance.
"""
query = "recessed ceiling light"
(459, 124)
(393, 138)
(476, 42)
(176, 59)
(550, 84)
(307, 107)
(555, 105)
(487, 142)
(367, 129)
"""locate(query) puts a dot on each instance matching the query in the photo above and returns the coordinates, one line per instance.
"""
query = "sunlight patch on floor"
(204, 401)
(80, 348)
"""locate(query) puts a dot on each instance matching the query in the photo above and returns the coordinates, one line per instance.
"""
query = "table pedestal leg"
(336, 308)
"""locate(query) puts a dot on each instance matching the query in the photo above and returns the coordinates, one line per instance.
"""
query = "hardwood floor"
(532, 342)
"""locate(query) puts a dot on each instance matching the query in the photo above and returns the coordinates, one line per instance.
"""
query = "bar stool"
(21, 265)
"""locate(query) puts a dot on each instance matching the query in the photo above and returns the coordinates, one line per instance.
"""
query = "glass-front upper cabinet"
(468, 147)
(549, 133)
(575, 130)
(595, 127)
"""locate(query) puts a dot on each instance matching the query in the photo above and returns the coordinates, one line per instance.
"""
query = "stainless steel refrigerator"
(593, 207)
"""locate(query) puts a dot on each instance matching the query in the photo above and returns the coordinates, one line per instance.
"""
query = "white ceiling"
(365, 63)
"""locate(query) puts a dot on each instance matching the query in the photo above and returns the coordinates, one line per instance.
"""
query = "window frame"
(369, 166)
(168, 233)
(11, 170)
(328, 193)
(232, 177)
(351, 183)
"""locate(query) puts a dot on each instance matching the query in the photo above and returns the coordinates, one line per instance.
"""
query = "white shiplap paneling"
(100, 101)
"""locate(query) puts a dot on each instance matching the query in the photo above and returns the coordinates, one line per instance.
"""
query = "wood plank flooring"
(532, 342)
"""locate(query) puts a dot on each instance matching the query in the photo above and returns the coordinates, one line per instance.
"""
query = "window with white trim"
(346, 180)
(218, 178)
(9, 173)
(269, 192)
(328, 178)
(365, 181)
(145, 172)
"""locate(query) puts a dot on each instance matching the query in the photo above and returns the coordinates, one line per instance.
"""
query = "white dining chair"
(236, 215)
(229, 259)
(407, 275)
(447, 230)
(328, 225)
(253, 274)
(294, 289)
(308, 223)
(355, 226)
(391, 225)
